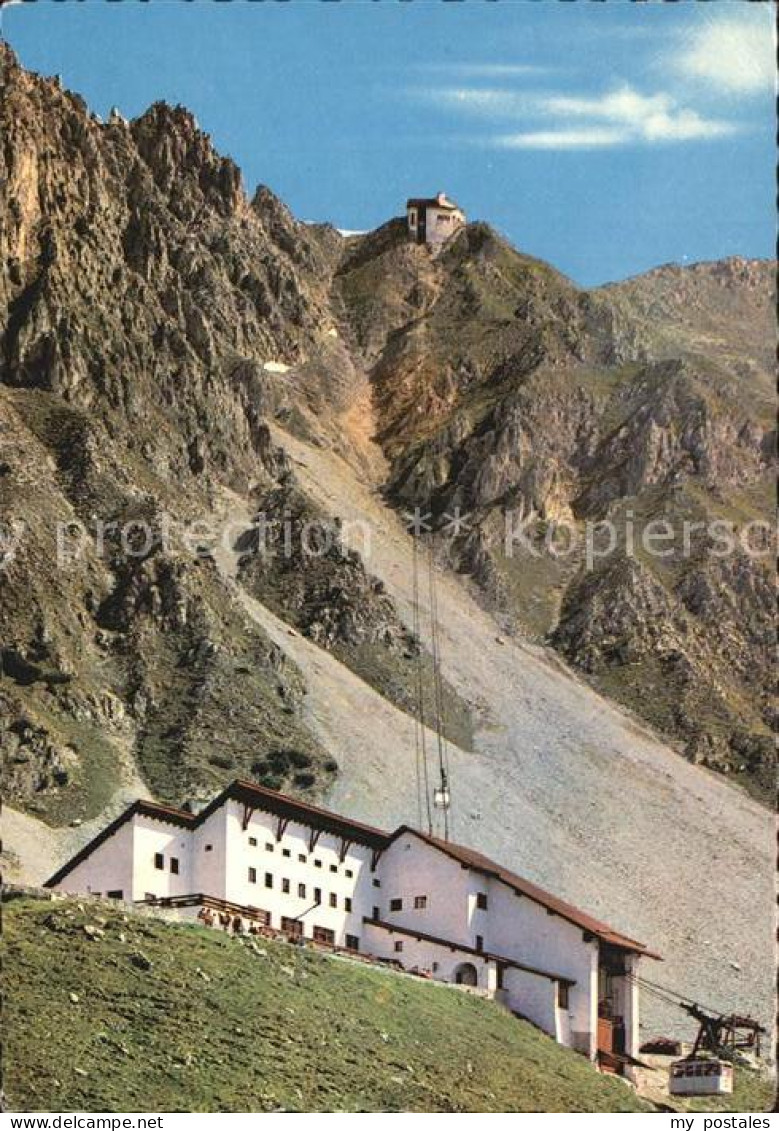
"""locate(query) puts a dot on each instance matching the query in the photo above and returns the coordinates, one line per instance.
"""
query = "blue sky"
(605, 138)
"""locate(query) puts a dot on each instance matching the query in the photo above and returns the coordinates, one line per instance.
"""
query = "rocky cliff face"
(145, 298)
(612, 456)
(156, 320)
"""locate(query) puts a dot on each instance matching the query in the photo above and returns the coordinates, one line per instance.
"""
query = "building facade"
(429, 906)
(433, 220)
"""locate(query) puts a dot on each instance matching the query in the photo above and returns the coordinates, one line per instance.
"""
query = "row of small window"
(420, 903)
(286, 888)
(294, 928)
(302, 858)
(159, 863)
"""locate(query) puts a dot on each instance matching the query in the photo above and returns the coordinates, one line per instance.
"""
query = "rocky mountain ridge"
(157, 320)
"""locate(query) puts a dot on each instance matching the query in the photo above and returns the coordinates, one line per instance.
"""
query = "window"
(333, 899)
(348, 873)
(324, 934)
(398, 946)
(253, 841)
(479, 943)
(174, 865)
(209, 848)
(412, 217)
(562, 995)
(376, 883)
(252, 875)
(347, 903)
(285, 886)
(333, 867)
(376, 914)
(396, 905)
(292, 926)
(352, 942)
(435, 967)
(115, 894)
(159, 861)
(301, 891)
(481, 900)
(269, 879)
(269, 847)
(302, 858)
(317, 895)
(317, 863)
(420, 902)
(285, 852)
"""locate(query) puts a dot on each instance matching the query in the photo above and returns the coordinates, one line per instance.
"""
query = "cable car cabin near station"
(700, 1077)
(429, 905)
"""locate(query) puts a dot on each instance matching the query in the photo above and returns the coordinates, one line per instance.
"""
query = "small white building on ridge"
(429, 905)
(432, 220)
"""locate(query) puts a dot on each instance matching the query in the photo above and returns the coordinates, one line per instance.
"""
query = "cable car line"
(424, 810)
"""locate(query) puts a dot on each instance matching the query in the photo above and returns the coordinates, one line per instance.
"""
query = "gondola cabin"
(700, 1077)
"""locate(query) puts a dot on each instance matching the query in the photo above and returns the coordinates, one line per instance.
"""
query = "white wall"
(521, 929)
(436, 233)
(108, 868)
(410, 868)
(330, 876)
(151, 836)
(534, 997)
(512, 926)
(209, 859)
(442, 223)
(630, 1004)
(439, 960)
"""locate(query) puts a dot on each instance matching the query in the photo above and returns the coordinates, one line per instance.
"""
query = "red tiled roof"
(472, 859)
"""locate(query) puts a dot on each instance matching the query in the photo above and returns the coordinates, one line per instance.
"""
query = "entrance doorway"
(465, 974)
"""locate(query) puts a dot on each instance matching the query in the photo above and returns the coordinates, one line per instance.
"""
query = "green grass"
(215, 1026)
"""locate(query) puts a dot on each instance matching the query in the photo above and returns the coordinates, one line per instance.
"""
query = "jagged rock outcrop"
(145, 298)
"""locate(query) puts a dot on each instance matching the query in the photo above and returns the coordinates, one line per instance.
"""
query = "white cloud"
(733, 53)
(621, 116)
(482, 70)
(584, 137)
(493, 103)
(648, 118)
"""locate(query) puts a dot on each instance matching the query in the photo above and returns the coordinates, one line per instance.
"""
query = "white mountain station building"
(433, 220)
(432, 906)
